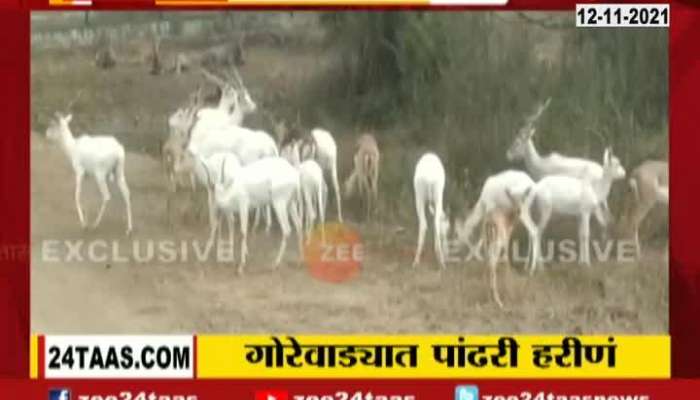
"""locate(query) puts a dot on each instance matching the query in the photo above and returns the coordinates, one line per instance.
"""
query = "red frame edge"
(684, 65)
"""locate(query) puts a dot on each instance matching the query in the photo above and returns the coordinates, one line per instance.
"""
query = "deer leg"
(637, 216)
(168, 210)
(126, 194)
(546, 214)
(213, 230)
(637, 245)
(298, 227)
(283, 219)
(244, 237)
(375, 184)
(533, 233)
(256, 218)
(309, 214)
(422, 226)
(322, 214)
(603, 218)
(268, 220)
(438, 232)
(193, 182)
(106, 196)
(231, 232)
(584, 238)
(78, 190)
(211, 207)
(336, 187)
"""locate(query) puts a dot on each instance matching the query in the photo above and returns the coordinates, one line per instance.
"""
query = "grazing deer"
(173, 147)
(496, 193)
(321, 147)
(248, 145)
(567, 195)
(429, 185)
(364, 178)
(315, 192)
(496, 231)
(179, 123)
(648, 186)
(313, 188)
(228, 165)
(267, 182)
(101, 157)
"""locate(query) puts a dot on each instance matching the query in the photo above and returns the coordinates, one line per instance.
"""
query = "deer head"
(518, 148)
(229, 93)
(182, 120)
(244, 100)
(612, 166)
(58, 126)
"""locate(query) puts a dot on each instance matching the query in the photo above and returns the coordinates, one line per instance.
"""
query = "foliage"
(461, 84)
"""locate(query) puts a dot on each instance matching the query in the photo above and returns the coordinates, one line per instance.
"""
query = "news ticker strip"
(350, 356)
(288, 3)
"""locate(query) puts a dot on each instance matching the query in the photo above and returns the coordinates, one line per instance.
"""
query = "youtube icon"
(271, 395)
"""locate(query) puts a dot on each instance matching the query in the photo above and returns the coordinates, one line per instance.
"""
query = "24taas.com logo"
(467, 392)
(59, 394)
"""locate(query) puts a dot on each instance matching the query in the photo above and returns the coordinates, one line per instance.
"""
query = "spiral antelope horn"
(536, 116)
(75, 100)
(212, 78)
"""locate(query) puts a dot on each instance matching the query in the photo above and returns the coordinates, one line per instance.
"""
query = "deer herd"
(246, 171)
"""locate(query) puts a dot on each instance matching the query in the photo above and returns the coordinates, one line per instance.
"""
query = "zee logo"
(59, 394)
(467, 392)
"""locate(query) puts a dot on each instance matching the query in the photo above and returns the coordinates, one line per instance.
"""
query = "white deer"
(227, 165)
(179, 124)
(365, 174)
(248, 146)
(567, 195)
(322, 148)
(315, 193)
(429, 185)
(539, 166)
(648, 186)
(99, 156)
(235, 103)
(495, 194)
(313, 188)
(266, 182)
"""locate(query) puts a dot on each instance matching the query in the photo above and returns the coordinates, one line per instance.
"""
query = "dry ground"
(387, 297)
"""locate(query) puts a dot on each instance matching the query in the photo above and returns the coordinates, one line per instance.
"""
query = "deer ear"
(606, 155)
(68, 118)
(531, 133)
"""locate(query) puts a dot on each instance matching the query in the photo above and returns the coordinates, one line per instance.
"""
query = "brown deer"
(496, 230)
(364, 178)
(648, 185)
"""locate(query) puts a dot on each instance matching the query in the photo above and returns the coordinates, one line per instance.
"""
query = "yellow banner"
(34, 356)
(444, 356)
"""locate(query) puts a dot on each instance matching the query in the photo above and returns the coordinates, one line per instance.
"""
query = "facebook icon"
(59, 394)
(467, 392)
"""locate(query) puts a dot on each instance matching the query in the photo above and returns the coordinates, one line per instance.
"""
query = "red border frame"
(684, 49)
